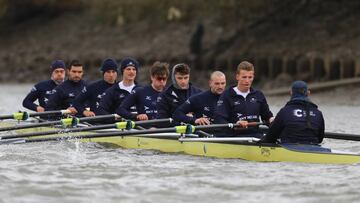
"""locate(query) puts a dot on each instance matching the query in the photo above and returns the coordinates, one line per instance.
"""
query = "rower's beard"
(58, 82)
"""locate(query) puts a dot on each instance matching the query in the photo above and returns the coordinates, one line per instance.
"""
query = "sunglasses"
(161, 78)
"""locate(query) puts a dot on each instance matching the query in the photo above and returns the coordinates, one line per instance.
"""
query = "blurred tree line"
(126, 11)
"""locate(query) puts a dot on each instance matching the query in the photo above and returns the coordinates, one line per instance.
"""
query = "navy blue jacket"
(232, 107)
(202, 105)
(90, 96)
(144, 98)
(41, 92)
(297, 122)
(112, 99)
(171, 98)
(64, 94)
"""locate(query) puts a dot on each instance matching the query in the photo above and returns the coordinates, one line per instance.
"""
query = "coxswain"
(299, 121)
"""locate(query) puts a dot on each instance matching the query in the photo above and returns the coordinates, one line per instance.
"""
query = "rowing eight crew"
(298, 122)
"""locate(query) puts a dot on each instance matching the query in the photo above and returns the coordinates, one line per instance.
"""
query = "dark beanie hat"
(109, 64)
(299, 90)
(128, 61)
(57, 64)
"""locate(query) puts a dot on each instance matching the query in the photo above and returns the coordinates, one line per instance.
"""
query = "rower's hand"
(40, 109)
(190, 114)
(242, 125)
(142, 117)
(202, 121)
(87, 113)
(72, 110)
(271, 120)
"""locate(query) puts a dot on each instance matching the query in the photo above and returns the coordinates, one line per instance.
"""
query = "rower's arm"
(180, 113)
(322, 129)
(123, 109)
(55, 100)
(163, 107)
(80, 100)
(222, 111)
(30, 98)
(265, 112)
(275, 129)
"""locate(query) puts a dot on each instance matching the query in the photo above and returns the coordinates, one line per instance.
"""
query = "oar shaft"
(129, 133)
(60, 112)
(6, 117)
(188, 129)
(49, 123)
(33, 125)
(226, 125)
(342, 136)
(95, 127)
(107, 134)
(98, 118)
(24, 115)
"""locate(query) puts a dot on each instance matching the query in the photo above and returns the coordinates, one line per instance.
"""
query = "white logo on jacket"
(174, 94)
(301, 113)
(33, 89)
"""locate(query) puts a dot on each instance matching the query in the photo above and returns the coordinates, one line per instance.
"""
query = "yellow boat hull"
(245, 151)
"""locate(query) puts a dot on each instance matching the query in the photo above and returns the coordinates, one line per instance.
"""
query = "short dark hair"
(75, 62)
(160, 69)
(182, 68)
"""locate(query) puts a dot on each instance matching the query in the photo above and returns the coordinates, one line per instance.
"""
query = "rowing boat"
(232, 148)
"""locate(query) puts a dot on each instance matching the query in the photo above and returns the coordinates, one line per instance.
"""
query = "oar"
(25, 115)
(73, 121)
(119, 125)
(183, 129)
(342, 136)
(331, 135)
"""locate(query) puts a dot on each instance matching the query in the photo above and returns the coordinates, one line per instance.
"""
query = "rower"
(242, 104)
(117, 93)
(177, 93)
(92, 94)
(42, 90)
(299, 121)
(144, 98)
(63, 95)
(202, 105)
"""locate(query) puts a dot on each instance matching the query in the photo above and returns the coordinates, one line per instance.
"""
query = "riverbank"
(269, 31)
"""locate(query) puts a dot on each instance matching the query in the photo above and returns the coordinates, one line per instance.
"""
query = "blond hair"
(245, 65)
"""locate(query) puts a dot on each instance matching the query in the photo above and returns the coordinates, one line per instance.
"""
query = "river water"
(87, 172)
